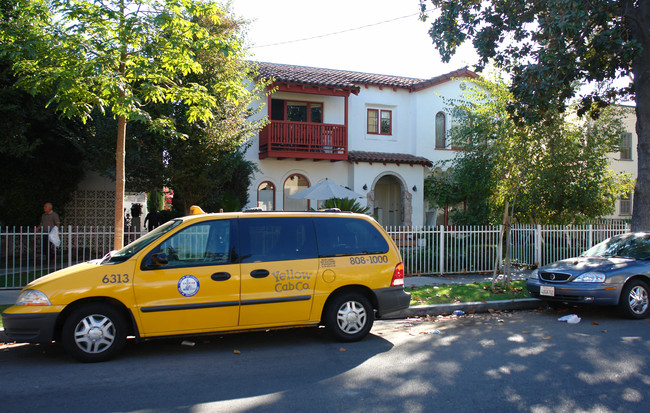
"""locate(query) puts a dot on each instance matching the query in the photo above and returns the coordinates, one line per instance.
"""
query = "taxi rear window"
(345, 236)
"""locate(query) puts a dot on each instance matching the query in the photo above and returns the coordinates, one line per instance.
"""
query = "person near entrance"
(51, 223)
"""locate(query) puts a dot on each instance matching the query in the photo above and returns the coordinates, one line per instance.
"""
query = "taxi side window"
(205, 243)
(276, 239)
(345, 236)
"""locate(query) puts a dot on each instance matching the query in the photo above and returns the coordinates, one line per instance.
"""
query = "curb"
(476, 306)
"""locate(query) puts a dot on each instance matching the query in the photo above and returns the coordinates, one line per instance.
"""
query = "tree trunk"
(641, 69)
(120, 155)
(505, 230)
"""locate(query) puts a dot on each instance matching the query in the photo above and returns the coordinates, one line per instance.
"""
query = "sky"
(372, 36)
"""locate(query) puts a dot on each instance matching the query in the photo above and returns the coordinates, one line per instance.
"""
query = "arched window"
(266, 196)
(441, 131)
(295, 183)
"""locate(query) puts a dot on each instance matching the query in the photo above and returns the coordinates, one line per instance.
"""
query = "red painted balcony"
(283, 139)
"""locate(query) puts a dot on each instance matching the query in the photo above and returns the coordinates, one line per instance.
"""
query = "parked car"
(210, 273)
(615, 272)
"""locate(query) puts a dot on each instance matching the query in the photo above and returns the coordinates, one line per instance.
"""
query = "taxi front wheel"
(94, 332)
(349, 317)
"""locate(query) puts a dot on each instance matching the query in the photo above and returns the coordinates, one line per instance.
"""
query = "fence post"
(538, 246)
(591, 236)
(69, 245)
(442, 249)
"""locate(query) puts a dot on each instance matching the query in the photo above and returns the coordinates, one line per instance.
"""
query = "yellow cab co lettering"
(291, 280)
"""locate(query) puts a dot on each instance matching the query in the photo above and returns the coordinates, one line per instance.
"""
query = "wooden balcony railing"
(281, 139)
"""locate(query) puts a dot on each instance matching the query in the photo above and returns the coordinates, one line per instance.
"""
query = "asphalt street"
(522, 361)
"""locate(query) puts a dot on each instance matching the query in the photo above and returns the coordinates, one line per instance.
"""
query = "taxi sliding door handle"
(220, 276)
(259, 273)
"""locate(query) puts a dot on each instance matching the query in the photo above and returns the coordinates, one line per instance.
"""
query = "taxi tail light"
(398, 276)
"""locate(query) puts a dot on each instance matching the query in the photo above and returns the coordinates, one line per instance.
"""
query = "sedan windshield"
(635, 246)
(137, 245)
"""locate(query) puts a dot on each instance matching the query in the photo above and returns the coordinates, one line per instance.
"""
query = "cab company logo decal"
(188, 285)
(291, 280)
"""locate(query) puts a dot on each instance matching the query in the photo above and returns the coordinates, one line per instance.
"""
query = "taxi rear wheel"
(349, 317)
(94, 332)
(634, 300)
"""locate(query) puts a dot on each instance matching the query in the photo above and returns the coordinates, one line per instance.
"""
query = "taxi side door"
(279, 266)
(190, 281)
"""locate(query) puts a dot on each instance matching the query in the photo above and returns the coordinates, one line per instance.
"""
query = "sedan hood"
(580, 265)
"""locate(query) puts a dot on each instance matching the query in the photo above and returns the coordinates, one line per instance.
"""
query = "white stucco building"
(626, 161)
(377, 135)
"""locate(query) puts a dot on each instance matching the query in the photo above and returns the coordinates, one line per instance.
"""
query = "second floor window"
(441, 131)
(296, 111)
(626, 146)
(625, 204)
(380, 122)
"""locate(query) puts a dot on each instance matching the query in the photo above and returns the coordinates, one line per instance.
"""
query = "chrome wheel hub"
(94, 333)
(351, 317)
(638, 300)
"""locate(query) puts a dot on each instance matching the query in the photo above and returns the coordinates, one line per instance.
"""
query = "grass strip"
(463, 293)
(2, 308)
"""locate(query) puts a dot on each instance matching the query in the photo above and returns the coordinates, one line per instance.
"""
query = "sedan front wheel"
(634, 300)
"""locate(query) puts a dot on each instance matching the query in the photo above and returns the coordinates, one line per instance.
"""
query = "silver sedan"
(615, 272)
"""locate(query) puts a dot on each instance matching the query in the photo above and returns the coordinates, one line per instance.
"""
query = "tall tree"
(116, 56)
(548, 47)
(39, 153)
(203, 162)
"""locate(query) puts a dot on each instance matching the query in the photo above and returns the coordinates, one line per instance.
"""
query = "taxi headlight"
(32, 297)
(590, 277)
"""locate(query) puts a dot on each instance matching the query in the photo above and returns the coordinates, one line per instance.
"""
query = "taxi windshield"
(137, 245)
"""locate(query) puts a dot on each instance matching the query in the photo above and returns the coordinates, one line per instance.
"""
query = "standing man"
(49, 221)
(151, 220)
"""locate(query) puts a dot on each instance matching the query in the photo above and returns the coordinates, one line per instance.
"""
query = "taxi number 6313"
(374, 259)
(115, 279)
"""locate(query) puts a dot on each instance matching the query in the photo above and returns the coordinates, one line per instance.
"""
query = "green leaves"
(554, 171)
(119, 55)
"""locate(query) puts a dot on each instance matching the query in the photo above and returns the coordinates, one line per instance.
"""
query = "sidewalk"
(8, 296)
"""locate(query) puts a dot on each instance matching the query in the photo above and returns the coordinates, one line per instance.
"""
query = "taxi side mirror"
(159, 258)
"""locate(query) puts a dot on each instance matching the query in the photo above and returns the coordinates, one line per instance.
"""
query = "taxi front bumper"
(30, 328)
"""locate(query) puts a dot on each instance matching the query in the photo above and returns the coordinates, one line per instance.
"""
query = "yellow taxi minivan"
(208, 273)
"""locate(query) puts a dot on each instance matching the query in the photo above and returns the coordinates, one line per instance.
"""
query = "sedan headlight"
(590, 277)
(534, 275)
(32, 297)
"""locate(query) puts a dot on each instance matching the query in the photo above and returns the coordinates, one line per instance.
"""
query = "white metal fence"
(25, 255)
(475, 249)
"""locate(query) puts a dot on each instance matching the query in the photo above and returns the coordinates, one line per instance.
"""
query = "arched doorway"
(388, 205)
(295, 183)
(266, 196)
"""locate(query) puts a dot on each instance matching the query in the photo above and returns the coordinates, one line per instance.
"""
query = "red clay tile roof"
(399, 158)
(347, 79)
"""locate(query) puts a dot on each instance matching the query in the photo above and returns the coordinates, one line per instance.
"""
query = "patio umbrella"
(325, 190)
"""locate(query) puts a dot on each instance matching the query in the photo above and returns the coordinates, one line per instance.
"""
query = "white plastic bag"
(53, 237)
(570, 319)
